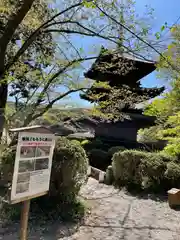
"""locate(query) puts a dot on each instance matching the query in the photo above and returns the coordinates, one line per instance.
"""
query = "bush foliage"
(145, 170)
(7, 157)
(69, 166)
(126, 166)
(172, 134)
(69, 169)
(115, 149)
(69, 173)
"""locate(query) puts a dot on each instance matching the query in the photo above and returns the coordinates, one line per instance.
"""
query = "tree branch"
(93, 33)
(33, 36)
(75, 49)
(110, 38)
(14, 22)
(57, 74)
(56, 23)
(63, 53)
(30, 117)
(138, 37)
(38, 101)
(81, 33)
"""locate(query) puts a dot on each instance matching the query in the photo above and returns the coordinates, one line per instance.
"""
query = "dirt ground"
(115, 215)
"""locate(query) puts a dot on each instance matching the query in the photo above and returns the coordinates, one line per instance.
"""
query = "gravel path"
(115, 215)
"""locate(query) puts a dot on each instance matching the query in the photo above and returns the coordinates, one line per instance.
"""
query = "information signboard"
(32, 167)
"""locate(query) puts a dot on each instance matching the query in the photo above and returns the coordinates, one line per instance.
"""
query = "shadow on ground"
(47, 231)
(44, 223)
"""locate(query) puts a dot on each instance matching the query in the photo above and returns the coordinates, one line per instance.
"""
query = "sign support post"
(24, 219)
(32, 169)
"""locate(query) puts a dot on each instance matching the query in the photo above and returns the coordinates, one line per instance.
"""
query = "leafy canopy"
(167, 109)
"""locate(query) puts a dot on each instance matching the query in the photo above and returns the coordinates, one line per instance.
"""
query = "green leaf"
(88, 4)
(81, 50)
(162, 28)
(158, 35)
(145, 31)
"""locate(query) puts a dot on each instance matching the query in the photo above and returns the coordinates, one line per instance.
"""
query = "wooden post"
(24, 219)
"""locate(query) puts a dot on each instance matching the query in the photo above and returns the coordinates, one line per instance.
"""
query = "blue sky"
(164, 11)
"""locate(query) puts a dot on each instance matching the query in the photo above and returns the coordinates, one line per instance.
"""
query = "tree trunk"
(13, 23)
(3, 92)
(3, 100)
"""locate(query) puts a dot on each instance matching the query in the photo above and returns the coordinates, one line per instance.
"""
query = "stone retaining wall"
(96, 174)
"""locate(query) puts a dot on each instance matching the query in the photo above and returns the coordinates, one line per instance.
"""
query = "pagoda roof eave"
(134, 57)
(142, 120)
(151, 92)
(120, 66)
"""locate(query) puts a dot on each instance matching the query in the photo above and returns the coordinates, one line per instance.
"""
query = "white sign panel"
(33, 163)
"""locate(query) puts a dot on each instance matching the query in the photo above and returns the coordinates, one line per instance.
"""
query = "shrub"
(75, 141)
(146, 170)
(126, 167)
(152, 169)
(171, 132)
(167, 158)
(115, 149)
(148, 134)
(98, 158)
(69, 169)
(7, 157)
(69, 173)
(173, 173)
(173, 149)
